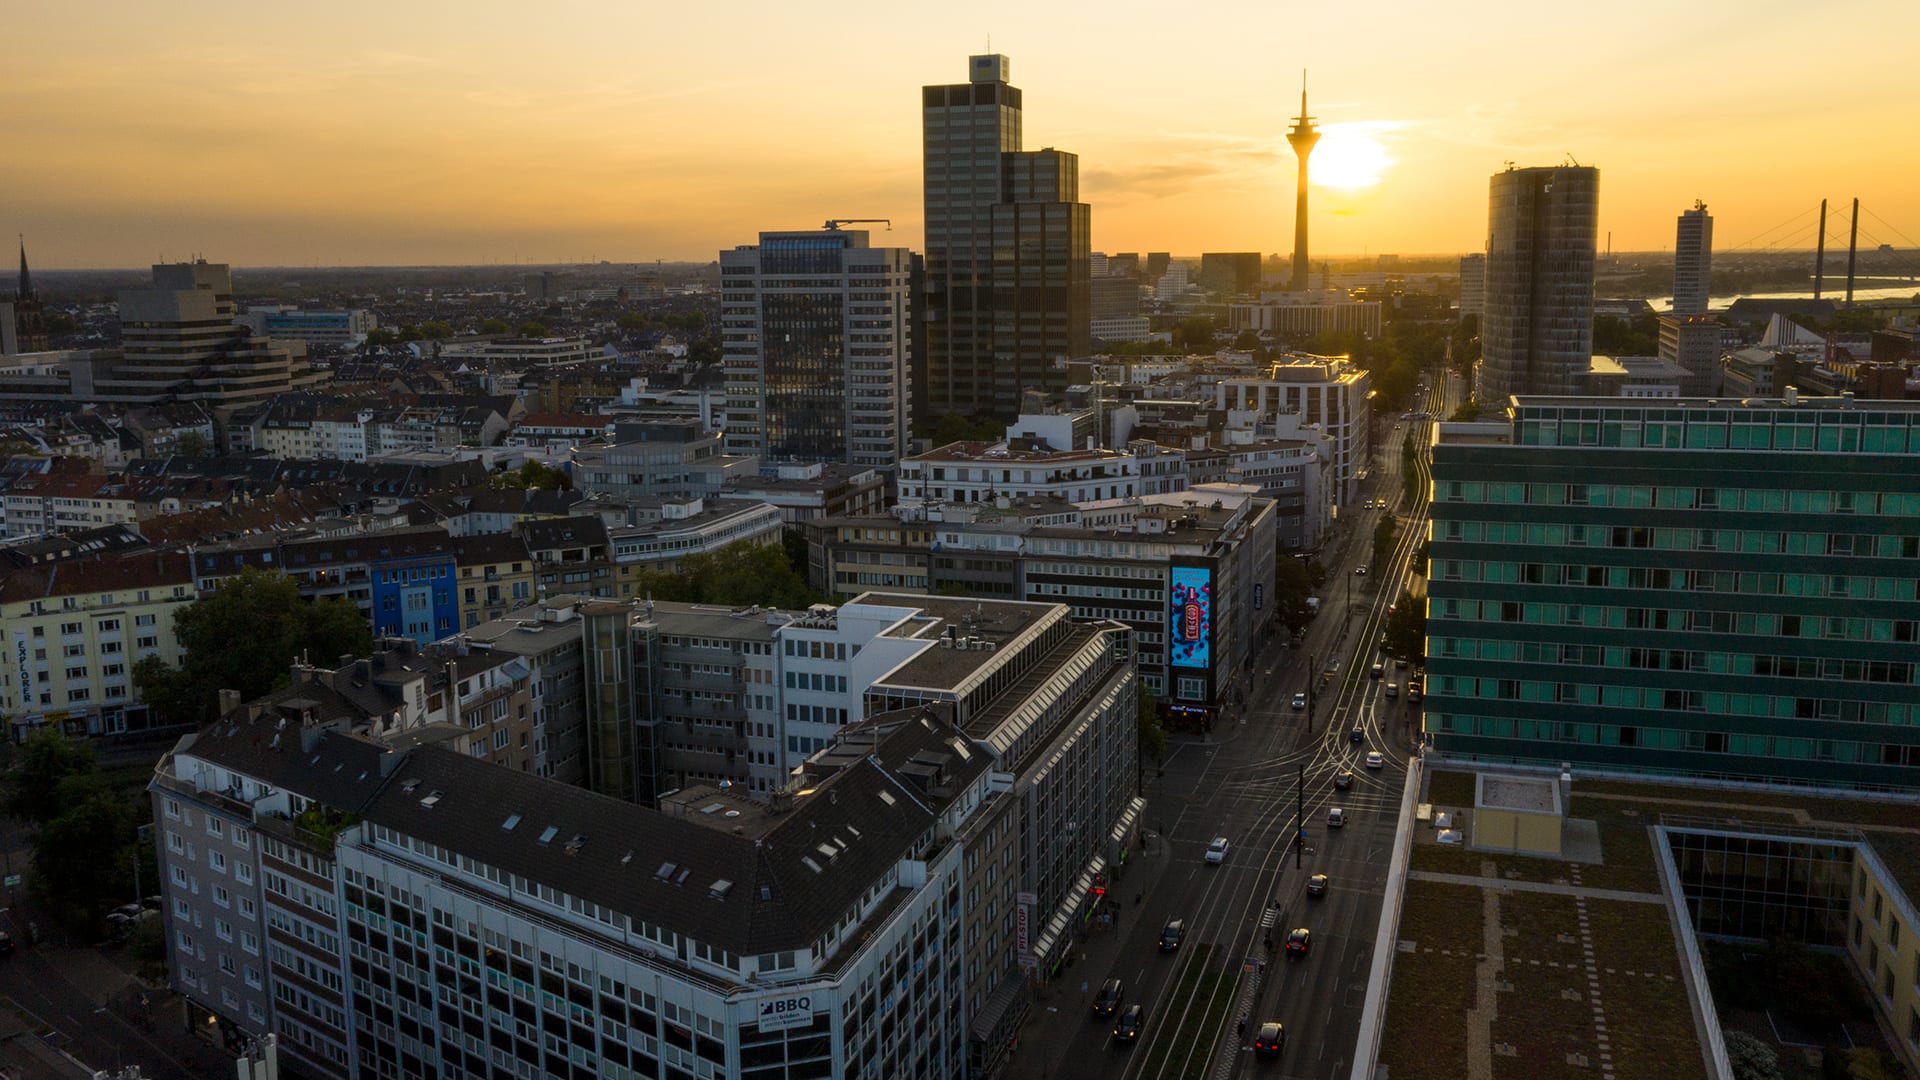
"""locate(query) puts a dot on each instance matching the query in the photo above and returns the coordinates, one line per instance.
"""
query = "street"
(1248, 781)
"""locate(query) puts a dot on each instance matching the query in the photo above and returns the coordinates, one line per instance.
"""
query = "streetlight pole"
(1312, 689)
(1300, 810)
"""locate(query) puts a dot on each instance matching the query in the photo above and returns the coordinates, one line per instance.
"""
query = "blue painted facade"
(413, 597)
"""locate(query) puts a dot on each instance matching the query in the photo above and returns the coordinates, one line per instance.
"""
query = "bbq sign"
(1190, 595)
(781, 1013)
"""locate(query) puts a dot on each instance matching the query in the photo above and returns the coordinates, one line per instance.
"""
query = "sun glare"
(1350, 157)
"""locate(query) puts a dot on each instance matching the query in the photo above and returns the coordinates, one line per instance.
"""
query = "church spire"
(26, 279)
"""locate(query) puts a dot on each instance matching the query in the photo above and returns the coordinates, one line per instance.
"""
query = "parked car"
(1107, 1001)
(1443, 820)
(1448, 836)
(1413, 691)
(1172, 934)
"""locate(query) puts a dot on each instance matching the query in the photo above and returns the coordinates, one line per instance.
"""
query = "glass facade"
(1765, 887)
(1740, 611)
(1536, 329)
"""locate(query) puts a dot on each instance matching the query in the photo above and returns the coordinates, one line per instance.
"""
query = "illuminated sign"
(781, 1013)
(1190, 621)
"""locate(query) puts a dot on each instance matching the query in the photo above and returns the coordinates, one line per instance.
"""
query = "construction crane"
(834, 223)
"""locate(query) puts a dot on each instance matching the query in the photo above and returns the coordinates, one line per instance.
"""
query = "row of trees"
(531, 474)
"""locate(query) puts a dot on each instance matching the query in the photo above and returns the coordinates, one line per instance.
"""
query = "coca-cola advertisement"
(1190, 619)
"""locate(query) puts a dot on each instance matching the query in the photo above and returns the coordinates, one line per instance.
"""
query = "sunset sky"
(412, 133)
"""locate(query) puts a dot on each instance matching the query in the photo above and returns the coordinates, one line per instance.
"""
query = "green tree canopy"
(1153, 737)
(191, 444)
(954, 427)
(381, 337)
(532, 329)
(44, 762)
(244, 637)
(83, 856)
(1292, 584)
(738, 574)
(531, 474)
(1196, 334)
(1383, 536)
(435, 330)
(495, 326)
(633, 320)
(1406, 629)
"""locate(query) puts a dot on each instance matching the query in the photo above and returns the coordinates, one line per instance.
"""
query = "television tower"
(1303, 136)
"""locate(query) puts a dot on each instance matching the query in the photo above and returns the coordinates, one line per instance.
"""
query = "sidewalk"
(1060, 1008)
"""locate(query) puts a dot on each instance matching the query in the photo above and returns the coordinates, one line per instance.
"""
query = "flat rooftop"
(986, 625)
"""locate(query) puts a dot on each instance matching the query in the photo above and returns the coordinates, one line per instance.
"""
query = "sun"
(1349, 157)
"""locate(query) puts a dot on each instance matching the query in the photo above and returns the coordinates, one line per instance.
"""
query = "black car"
(1317, 885)
(1298, 942)
(1270, 1038)
(1356, 735)
(1107, 1001)
(1132, 1019)
(1343, 779)
(1171, 935)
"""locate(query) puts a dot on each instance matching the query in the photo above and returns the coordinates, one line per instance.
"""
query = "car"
(1392, 689)
(1443, 820)
(131, 911)
(1356, 735)
(6, 943)
(1376, 760)
(1393, 607)
(1299, 941)
(1317, 885)
(1447, 836)
(1377, 670)
(1399, 662)
(1336, 817)
(1343, 779)
(1332, 669)
(1107, 1001)
(1299, 701)
(1270, 1038)
(1132, 1019)
(1217, 851)
(1413, 691)
(1172, 934)
(1360, 571)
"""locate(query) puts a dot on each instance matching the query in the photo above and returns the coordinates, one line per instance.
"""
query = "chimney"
(229, 701)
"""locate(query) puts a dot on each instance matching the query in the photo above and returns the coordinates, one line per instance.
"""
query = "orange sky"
(408, 132)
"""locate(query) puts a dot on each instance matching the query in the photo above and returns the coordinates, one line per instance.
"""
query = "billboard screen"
(1190, 595)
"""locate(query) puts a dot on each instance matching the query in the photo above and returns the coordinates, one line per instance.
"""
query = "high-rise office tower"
(179, 343)
(1473, 284)
(1007, 247)
(1536, 334)
(1303, 137)
(816, 334)
(1692, 261)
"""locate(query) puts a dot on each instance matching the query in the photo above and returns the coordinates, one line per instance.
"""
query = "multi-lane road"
(1248, 782)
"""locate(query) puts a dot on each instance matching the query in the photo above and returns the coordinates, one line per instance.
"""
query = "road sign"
(10, 880)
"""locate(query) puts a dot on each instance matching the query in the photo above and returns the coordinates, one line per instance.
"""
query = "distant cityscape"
(853, 659)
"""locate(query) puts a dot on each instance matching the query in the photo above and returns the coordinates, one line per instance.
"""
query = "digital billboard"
(1190, 595)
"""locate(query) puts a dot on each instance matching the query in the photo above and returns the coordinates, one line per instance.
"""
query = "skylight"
(547, 834)
(512, 820)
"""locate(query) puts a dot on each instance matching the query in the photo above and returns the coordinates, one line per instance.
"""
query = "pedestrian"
(1243, 1027)
(1136, 899)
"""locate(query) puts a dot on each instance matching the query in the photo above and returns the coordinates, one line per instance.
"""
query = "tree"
(739, 574)
(244, 637)
(1291, 586)
(44, 762)
(633, 321)
(495, 326)
(1196, 334)
(435, 330)
(1153, 737)
(1406, 629)
(1383, 536)
(381, 337)
(191, 444)
(953, 427)
(83, 857)
(532, 329)
(531, 474)
(1750, 1058)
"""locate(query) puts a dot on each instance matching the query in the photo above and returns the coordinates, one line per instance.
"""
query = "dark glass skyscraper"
(1007, 245)
(1536, 333)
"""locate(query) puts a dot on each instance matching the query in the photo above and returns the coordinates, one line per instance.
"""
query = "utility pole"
(1312, 689)
(1300, 809)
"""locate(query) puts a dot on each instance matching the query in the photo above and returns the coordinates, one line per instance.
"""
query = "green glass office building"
(1712, 588)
